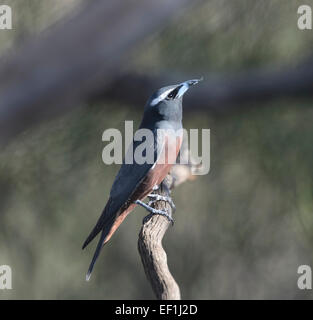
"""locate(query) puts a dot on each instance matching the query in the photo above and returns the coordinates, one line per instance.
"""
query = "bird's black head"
(166, 102)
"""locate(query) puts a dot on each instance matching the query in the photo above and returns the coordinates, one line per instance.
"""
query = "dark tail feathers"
(105, 231)
(100, 224)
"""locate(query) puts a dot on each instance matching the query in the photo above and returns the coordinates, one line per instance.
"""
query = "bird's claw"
(154, 211)
(157, 197)
(158, 212)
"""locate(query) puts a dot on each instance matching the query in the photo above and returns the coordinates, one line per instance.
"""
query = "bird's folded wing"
(125, 184)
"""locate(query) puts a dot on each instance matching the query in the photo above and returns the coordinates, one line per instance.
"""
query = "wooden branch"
(219, 93)
(153, 256)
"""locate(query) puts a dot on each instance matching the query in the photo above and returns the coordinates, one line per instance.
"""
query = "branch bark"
(153, 256)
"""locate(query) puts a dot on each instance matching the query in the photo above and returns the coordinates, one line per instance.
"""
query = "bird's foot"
(157, 197)
(154, 211)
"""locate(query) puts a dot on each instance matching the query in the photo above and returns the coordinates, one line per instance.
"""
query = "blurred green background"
(241, 231)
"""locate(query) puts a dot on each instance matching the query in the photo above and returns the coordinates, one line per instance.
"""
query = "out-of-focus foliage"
(240, 232)
(32, 16)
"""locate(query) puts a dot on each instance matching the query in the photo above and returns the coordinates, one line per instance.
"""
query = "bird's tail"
(105, 236)
(110, 226)
(96, 255)
(106, 217)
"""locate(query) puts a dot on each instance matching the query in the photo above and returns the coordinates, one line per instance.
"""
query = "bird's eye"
(171, 95)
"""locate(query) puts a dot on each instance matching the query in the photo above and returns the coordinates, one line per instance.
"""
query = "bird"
(135, 181)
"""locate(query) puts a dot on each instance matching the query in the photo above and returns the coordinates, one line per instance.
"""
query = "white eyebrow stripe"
(161, 97)
(182, 90)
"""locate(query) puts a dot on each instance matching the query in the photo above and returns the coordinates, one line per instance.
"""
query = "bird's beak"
(184, 86)
(193, 82)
